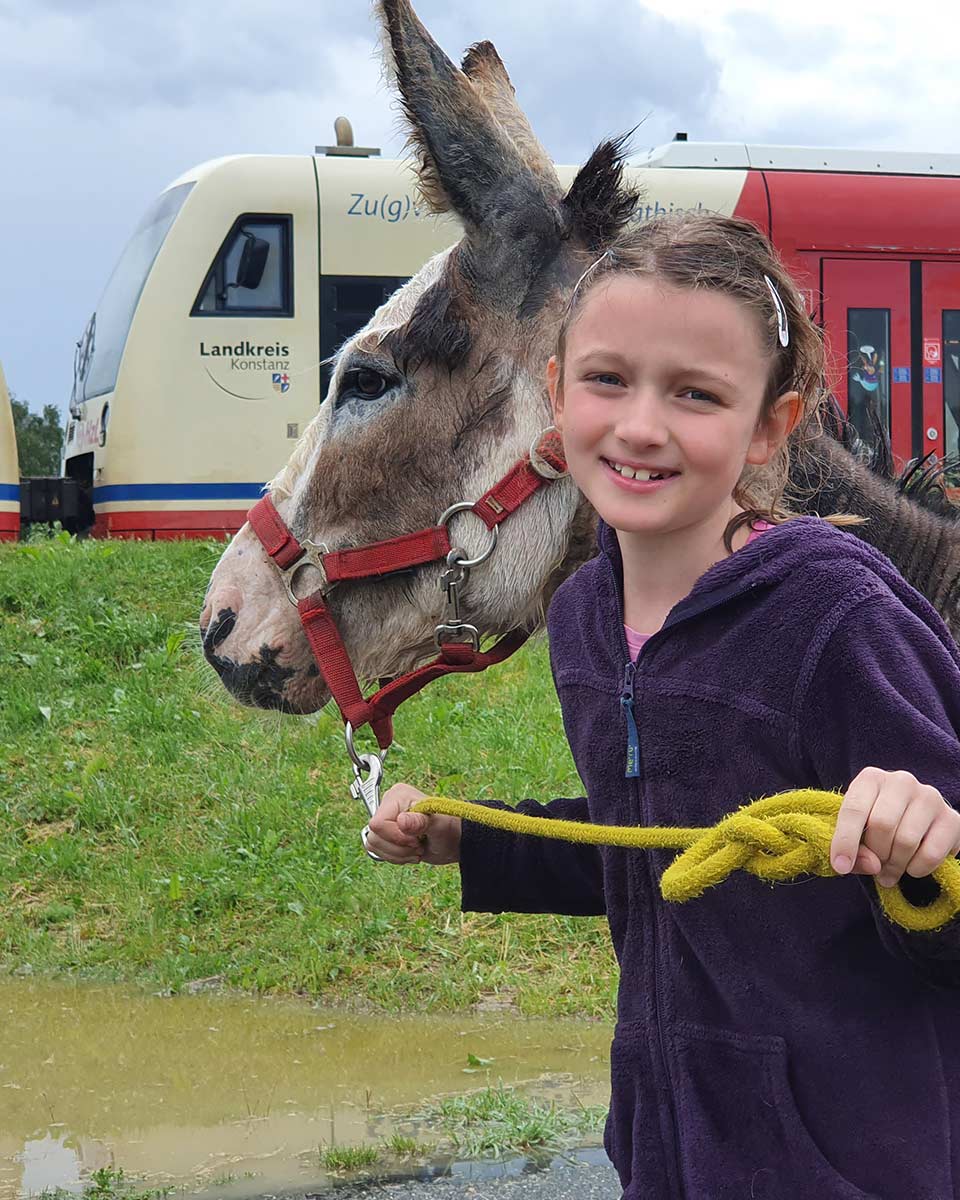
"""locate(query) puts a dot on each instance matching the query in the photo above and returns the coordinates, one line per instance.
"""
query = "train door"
(866, 315)
(941, 357)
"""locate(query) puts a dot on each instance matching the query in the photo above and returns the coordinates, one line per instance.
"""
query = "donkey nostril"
(220, 629)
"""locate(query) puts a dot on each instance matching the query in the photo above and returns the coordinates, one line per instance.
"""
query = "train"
(9, 470)
(208, 353)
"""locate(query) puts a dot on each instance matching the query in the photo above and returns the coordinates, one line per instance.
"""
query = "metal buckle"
(312, 556)
(466, 506)
(540, 464)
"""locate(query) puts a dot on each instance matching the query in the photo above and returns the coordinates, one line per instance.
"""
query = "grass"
(109, 1183)
(402, 1146)
(152, 831)
(492, 1122)
(348, 1158)
(499, 1120)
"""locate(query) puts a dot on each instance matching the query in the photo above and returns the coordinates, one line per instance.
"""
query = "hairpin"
(783, 329)
(594, 264)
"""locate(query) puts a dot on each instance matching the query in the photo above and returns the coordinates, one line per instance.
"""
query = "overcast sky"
(104, 102)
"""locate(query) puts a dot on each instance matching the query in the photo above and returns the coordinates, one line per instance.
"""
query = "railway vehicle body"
(204, 361)
(9, 470)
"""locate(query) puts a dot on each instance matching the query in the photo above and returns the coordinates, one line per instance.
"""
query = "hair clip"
(593, 265)
(783, 328)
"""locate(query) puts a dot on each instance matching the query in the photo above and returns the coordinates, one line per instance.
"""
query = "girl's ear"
(776, 427)
(556, 392)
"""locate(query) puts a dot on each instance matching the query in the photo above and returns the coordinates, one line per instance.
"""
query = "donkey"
(444, 389)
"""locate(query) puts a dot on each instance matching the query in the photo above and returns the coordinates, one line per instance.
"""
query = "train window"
(252, 272)
(951, 381)
(868, 384)
(122, 294)
(346, 304)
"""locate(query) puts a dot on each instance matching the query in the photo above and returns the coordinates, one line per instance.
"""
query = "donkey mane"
(924, 480)
(598, 205)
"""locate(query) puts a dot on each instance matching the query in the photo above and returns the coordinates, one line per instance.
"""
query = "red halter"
(543, 464)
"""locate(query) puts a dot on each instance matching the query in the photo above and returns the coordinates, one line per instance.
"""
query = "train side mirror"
(253, 261)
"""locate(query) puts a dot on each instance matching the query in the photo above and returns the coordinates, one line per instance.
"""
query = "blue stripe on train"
(177, 491)
(10, 491)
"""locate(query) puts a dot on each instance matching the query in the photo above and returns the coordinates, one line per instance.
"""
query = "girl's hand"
(399, 836)
(905, 825)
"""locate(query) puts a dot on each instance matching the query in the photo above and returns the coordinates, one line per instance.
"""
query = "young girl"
(772, 1043)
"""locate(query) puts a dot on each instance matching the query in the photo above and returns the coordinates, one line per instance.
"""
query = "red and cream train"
(203, 361)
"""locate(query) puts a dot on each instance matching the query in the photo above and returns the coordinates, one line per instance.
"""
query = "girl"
(783, 1043)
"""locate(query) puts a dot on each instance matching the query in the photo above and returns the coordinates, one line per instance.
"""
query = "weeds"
(401, 1146)
(109, 1183)
(498, 1120)
(348, 1158)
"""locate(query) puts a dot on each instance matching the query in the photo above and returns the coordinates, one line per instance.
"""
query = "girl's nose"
(643, 421)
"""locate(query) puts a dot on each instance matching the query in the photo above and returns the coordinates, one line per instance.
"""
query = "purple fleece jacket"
(778, 1042)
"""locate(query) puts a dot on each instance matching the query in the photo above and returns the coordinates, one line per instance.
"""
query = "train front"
(200, 366)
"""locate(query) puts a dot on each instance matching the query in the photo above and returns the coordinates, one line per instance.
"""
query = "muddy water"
(233, 1095)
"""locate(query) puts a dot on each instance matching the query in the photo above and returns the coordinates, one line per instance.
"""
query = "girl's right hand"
(399, 836)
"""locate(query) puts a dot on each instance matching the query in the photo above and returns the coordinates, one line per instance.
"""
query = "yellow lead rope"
(776, 839)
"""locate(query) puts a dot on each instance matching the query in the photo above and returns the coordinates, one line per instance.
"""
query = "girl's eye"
(699, 394)
(606, 378)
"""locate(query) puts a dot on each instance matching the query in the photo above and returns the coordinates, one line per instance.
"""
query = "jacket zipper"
(633, 736)
(633, 771)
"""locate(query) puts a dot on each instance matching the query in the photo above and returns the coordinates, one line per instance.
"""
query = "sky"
(104, 102)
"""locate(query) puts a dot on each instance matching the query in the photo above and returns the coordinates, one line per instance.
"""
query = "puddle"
(235, 1095)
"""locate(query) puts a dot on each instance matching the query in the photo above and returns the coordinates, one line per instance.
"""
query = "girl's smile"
(640, 478)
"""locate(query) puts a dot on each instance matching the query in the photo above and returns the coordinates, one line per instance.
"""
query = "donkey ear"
(466, 156)
(484, 67)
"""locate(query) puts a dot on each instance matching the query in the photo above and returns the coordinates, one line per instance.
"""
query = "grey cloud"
(92, 56)
(762, 35)
(585, 70)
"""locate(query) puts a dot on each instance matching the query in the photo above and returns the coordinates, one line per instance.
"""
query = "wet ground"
(236, 1097)
(562, 1181)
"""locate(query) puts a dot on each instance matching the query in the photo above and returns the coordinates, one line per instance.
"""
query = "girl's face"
(660, 404)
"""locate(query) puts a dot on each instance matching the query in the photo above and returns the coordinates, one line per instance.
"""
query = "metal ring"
(313, 553)
(364, 834)
(355, 758)
(539, 463)
(466, 506)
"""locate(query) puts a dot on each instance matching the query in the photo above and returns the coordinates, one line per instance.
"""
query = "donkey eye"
(365, 383)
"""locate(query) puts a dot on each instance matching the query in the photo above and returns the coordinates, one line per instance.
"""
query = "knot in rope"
(776, 838)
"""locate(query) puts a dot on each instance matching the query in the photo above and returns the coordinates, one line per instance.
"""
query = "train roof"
(741, 156)
(682, 154)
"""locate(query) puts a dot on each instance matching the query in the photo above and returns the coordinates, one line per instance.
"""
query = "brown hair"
(731, 256)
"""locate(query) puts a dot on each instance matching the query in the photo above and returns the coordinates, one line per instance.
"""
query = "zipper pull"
(633, 736)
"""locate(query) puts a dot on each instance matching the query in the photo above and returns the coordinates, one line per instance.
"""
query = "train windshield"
(119, 301)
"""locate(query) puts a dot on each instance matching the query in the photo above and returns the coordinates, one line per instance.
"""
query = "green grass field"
(152, 831)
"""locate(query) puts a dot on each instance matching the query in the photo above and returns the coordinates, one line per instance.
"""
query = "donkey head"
(434, 400)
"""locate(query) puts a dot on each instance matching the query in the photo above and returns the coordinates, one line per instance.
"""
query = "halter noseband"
(458, 642)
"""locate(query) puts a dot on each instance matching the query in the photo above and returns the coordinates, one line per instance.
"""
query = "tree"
(39, 438)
